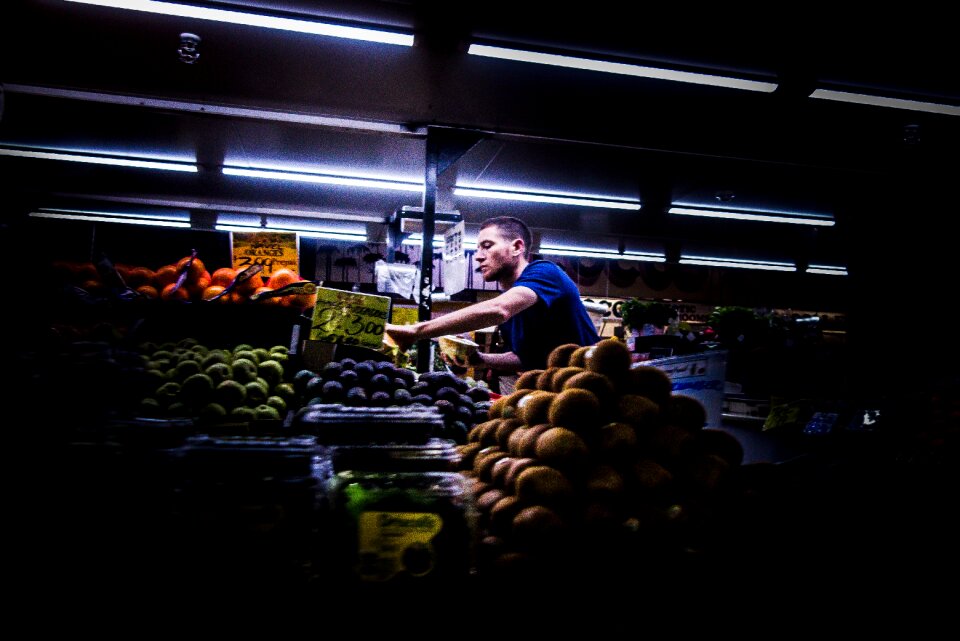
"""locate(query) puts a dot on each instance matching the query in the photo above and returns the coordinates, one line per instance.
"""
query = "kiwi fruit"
(575, 409)
(562, 449)
(611, 358)
(488, 435)
(687, 412)
(484, 467)
(499, 471)
(578, 358)
(639, 411)
(600, 385)
(502, 514)
(560, 356)
(528, 380)
(545, 380)
(504, 429)
(496, 407)
(706, 473)
(668, 442)
(467, 452)
(650, 477)
(473, 436)
(533, 407)
(649, 381)
(536, 528)
(510, 405)
(617, 441)
(528, 441)
(720, 442)
(513, 441)
(543, 485)
(516, 466)
(605, 482)
(561, 376)
(488, 499)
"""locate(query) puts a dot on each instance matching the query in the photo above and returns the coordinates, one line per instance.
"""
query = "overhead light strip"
(326, 179)
(110, 217)
(556, 199)
(101, 160)
(883, 101)
(256, 20)
(556, 250)
(416, 238)
(215, 109)
(306, 233)
(711, 261)
(620, 68)
(829, 270)
(755, 215)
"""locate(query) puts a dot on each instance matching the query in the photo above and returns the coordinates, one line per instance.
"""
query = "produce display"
(188, 379)
(223, 285)
(590, 449)
(370, 383)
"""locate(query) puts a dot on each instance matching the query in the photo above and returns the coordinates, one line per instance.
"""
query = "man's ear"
(518, 247)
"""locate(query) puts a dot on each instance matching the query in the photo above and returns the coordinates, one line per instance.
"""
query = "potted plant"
(646, 317)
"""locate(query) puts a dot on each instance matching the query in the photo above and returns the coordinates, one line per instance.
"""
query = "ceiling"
(256, 98)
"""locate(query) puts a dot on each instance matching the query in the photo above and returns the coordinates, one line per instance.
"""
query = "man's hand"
(403, 335)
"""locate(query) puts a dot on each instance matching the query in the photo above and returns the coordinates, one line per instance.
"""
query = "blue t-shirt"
(558, 317)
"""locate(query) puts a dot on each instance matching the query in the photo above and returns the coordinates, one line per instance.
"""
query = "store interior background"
(886, 176)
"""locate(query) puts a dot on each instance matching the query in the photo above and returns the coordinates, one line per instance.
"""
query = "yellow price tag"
(270, 249)
(404, 315)
(350, 318)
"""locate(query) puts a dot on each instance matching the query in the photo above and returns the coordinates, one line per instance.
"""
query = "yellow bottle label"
(392, 542)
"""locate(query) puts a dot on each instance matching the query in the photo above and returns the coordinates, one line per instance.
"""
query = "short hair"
(511, 228)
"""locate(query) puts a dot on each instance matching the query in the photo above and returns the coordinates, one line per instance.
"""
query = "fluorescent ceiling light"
(100, 160)
(795, 218)
(583, 252)
(112, 217)
(326, 179)
(830, 270)
(882, 101)
(306, 233)
(207, 108)
(558, 199)
(256, 20)
(620, 68)
(416, 238)
(711, 261)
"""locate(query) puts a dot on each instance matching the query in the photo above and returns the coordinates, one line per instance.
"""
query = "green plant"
(637, 313)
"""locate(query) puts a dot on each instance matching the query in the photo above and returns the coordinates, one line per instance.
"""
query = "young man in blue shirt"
(539, 309)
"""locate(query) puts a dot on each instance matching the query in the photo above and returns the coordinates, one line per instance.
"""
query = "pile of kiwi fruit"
(593, 463)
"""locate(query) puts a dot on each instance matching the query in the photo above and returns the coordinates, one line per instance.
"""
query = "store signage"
(350, 318)
(686, 312)
(270, 249)
(404, 315)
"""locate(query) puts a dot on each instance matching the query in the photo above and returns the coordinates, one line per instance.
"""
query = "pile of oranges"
(200, 285)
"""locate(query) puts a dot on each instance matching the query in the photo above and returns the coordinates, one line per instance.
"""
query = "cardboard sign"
(350, 318)
(405, 315)
(270, 249)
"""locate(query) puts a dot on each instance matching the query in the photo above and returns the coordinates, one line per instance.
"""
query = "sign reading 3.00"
(350, 318)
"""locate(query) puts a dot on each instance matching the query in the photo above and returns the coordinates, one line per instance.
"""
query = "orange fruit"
(303, 301)
(196, 267)
(213, 290)
(169, 294)
(165, 276)
(250, 285)
(268, 301)
(196, 287)
(91, 285)
(123, 270)
(85, 272)
(223, 276)
(148, 291)
(282, 277)
(139, 276)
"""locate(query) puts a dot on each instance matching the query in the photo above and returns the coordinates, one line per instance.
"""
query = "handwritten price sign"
(349, 318)
(270, 249)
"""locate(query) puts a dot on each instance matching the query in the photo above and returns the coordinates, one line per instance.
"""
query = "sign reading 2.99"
(350, 318)
(270, 249)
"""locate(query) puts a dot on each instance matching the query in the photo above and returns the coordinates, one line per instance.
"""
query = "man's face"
(496, 256)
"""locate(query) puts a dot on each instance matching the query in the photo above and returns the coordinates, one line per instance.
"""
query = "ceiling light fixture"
(796, 218)
(885, 101)
(712, 261)
(620, 68)
(326, 179)
(100, 160)
(306, 233)
(256, 20)
(151, 220)
(584, 252)
(416, 238)
(556, 199)
(829, 270)
(207, 108)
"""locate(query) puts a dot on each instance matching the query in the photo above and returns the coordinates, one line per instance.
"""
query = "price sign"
(270, 249)
(405, 315)
(350, 318)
